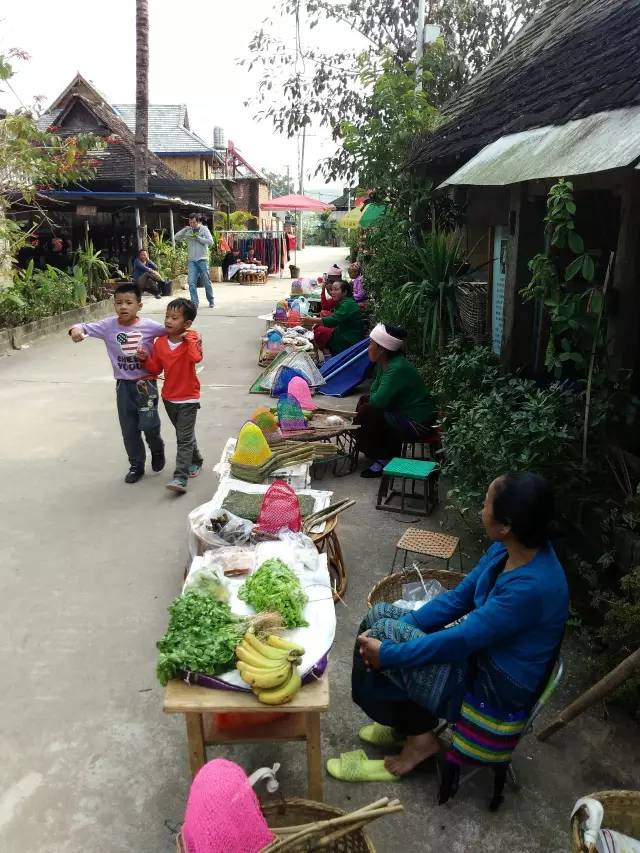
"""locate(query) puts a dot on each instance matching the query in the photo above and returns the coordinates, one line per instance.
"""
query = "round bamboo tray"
(389, 589)
(621, 813)
(295, 812)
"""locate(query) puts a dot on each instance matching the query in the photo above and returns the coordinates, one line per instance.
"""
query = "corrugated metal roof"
(607, 140)
(168, 129)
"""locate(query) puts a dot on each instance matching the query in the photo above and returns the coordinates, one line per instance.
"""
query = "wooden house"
(562, 100)
(107, 208)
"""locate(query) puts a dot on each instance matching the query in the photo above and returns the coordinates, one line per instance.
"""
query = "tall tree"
(328, 87)
(142, 96)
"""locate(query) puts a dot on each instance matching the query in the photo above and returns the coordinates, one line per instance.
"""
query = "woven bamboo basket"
(621, 813)
(297, 812)
(389, 589)
(471, 298)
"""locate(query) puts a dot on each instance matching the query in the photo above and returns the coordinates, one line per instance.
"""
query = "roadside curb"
(14, 339)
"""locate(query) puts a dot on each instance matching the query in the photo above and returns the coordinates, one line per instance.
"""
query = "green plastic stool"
(409, 471)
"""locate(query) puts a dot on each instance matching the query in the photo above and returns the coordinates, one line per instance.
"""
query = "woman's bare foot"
(416, 749)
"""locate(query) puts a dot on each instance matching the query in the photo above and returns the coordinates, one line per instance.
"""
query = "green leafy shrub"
(37, 293)
(620, 633)
(171, 260)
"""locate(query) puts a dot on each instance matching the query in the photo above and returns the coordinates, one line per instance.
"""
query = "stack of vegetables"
(204, 636)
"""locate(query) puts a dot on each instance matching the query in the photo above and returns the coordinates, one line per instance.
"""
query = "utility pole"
(301, 186)
(419, 44)
(288, 180)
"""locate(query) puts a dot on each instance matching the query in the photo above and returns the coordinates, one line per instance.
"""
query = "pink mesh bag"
(223, 813)
(280, 508)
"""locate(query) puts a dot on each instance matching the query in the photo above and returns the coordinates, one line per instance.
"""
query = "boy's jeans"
(138, 413)
(199, 270)
(183, 417)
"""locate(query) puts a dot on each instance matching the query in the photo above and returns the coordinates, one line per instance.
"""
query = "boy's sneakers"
(133, 475)
(195, 469)
(212, 305)
(157, 460)
(178, 486)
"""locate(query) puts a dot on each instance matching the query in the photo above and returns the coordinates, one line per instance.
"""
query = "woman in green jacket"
(398, 408)
(344, 327)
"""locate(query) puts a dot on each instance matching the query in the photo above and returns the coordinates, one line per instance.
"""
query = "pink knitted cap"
(299, 389)
(223, 813)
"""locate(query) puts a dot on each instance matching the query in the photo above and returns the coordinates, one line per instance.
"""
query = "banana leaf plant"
(429, 297)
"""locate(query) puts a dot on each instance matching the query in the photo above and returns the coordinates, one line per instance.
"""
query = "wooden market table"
(301, 723)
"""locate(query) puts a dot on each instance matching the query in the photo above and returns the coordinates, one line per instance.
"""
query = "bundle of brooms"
(283, 455)
(325, 833)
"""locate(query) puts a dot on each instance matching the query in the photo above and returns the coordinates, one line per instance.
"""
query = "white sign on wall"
(500, 255)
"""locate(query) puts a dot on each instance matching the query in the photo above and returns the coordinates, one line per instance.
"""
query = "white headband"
(380, 335)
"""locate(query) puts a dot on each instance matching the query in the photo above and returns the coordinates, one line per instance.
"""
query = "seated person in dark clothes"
(232, 257)
(146, 275)
(58, 256)
(31, 251)
(252, 258)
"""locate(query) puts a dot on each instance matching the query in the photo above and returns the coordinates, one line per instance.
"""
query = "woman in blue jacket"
(412, 668)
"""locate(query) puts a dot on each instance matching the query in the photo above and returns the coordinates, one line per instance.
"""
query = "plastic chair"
(451, 780)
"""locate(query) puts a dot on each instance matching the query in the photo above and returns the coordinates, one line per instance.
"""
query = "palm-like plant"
(90, 264)
(429, 296)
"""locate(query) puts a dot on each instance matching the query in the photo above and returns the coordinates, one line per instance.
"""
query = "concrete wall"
(11, 339)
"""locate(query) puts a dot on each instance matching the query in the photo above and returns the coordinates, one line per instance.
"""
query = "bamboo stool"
(252, 277)
(427, 543)
(328, 542)
(300, 722)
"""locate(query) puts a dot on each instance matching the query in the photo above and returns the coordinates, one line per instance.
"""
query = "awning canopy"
(119, 199)
(371, 214)
(602, 141)
(296, 202)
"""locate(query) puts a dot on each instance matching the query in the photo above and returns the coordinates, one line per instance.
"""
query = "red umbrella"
(295, 202)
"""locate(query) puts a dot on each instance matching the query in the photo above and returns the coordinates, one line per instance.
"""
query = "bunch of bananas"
(270, 667)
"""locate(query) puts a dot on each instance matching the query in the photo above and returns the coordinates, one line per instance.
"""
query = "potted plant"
(216, 257)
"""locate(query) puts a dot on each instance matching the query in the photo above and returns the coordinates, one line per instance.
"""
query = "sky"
(194, 47)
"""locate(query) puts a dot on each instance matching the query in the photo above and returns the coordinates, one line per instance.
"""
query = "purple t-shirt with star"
(123, 342)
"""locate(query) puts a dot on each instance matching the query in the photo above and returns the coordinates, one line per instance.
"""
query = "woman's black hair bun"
(396, 332)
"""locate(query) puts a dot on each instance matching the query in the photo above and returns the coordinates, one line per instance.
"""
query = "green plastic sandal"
(356, 767)
(379, 735)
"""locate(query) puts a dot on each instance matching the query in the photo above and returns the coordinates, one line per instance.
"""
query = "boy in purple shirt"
(136, 392)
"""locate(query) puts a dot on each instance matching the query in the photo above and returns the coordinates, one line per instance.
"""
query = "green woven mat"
(248, 506)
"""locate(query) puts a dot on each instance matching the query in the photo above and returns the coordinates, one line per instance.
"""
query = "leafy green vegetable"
(202, 637)
(275, 587)
(209, 582)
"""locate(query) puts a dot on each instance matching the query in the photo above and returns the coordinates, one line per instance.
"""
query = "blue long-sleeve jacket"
(518, 622)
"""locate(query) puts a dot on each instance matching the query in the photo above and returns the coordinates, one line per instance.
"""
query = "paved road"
(89, 564)
(88, 763)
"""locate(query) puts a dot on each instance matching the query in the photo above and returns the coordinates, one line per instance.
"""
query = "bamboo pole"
(592, 361)
(602, 688)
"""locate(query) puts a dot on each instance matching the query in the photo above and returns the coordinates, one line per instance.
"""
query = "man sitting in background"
(146, 275)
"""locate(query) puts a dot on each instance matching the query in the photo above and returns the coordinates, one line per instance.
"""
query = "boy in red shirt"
(177, 354)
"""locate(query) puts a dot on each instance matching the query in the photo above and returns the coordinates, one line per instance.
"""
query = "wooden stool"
(428, 544)
(328, 542)
(423, 448)
(302, 722)
(412, 471)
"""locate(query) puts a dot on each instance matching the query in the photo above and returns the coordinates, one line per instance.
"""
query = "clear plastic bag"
(209, 528)
(415, 594)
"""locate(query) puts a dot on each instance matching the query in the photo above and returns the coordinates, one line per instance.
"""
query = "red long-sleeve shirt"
(179, 365)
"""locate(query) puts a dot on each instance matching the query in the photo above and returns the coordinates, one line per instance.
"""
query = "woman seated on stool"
(398, 408)
(333, 274)
(342, 328)
(409, 669)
